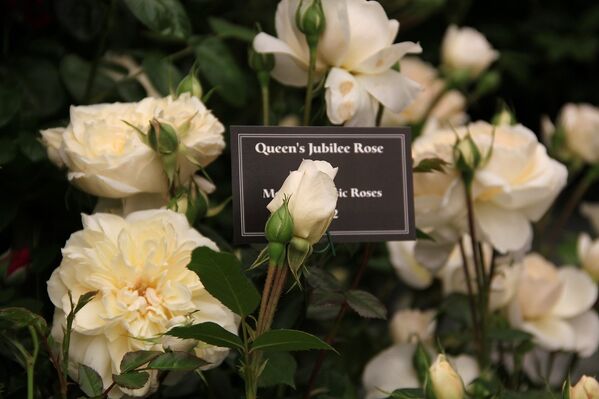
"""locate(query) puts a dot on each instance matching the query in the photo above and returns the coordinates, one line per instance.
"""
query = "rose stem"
(480, 271)
(585, 183)
(265, 296)
(471, 297)
(265, 103)
(309, 87)
(342, 310)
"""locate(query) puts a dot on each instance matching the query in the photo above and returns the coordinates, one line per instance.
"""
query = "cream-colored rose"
(200, 133)
(403, 259)
(412, 326)
(393, 369)
(466, 49)
(445, 381)
(555, 306)
(109, 158)
(585, 388)
(588, 253)
(138, 265)
(580, 124)
(446, 110)
(513, 188)
(357, 46)
(312, 199)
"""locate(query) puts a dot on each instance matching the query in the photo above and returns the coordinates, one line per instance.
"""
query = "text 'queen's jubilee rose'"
(138, 265)
(357, 46)
(513, 188)
(105, 151)
(312, 199)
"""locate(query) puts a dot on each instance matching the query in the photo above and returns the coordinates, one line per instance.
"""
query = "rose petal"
(387, 57)
(586, 328)
(289, 68)
(506, 230)
(401, 256)
(579, 293)
(390, 370)
(552, 333)
(391, 89)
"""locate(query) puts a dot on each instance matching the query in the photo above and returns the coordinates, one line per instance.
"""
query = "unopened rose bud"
(190, 84)
(421, 361)
(279, 226)
(444, 381)
(163, 138)
(504, 117)
(467, 157)
(586, 388)
(310, 20)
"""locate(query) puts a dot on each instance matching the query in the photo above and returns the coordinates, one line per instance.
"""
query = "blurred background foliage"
(63, 52)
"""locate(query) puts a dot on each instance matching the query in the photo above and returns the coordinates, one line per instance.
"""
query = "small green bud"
(467, 157)
(421, 361)
(190, 84)
(504, 117)
(261, 62)
(310, 20)
(487, 83)
(279, 226)
(197, 204)
(163, 138)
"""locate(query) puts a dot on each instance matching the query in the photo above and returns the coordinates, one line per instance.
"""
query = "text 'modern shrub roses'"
(357, 51)
(138, 265)
(515, 187)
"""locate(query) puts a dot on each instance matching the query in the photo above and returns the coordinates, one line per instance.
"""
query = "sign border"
(239, 132)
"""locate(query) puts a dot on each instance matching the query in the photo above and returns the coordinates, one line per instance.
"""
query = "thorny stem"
(333, 333)
(266, 294)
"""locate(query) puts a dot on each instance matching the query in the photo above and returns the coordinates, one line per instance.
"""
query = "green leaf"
(162, 73)
(74, 72)
(430, 164)
(8, 151)
(320, 278)
(133, 360)
(131, 380)
(219, 67)
(221, 275)
(90, 381)
(16, 318)
(279, 369)
(288, 340)
(226, 30)
(165, 17)
(210, 333)
(365, 304)
(509, 335)
(10, 101)
(41, 90)
(30, 146)
(180, 361)
(84, 300)
(407, 393)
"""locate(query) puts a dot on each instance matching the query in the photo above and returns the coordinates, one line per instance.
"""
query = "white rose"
(466, 49)
(393, 369)
(445, 381)
(103, 155)
(585, 388)
(588, 253)
(514, 188)
(312, 199)
(138, 265)
(412, 326)
(200, 133)
(107, 157)
(357, 46)
(580, 124)
(447, 110)
(555, 306)
(407, 267)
